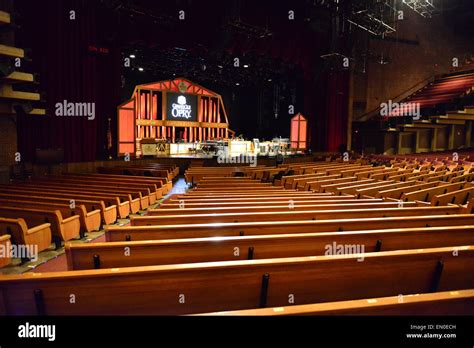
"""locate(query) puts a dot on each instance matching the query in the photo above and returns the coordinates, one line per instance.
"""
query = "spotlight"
(237, 84)
(246, 66)
(269, 80)
(140, 69)
(132, 56)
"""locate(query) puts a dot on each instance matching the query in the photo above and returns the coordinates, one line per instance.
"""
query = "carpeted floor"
(52, 260)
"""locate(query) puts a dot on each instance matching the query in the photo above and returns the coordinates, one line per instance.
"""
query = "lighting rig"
(425, 8)
(377, 17)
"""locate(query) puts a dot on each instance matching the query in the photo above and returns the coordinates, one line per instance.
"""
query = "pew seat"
(108, 213)
(123, 205)
(133, 233)
(445, 303)
(192, 250)
(63, 229)
(22, 234)
(236, 285)
(90, 221)
(288, 215)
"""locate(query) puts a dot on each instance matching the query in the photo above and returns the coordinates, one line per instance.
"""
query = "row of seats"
(60, 208)
(158, 170)
(235, 245)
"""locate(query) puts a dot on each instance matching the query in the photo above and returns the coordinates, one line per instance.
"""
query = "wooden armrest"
(39, 228)
(4, 237)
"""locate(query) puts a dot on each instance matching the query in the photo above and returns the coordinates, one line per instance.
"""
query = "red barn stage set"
(181, 118)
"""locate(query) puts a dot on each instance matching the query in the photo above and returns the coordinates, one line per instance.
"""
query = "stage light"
(237, 84)
(132, 56)
(375, 17)
(269, 80)
(140, 69)
(424, 8)
(246, 66)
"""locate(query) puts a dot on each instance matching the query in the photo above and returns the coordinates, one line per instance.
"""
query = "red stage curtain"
(64, 54)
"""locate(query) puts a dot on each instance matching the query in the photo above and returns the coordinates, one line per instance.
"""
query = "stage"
(182, 119)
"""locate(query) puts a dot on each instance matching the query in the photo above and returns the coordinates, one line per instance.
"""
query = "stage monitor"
(181, 107)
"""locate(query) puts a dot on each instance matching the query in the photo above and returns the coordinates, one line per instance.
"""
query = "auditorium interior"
(236, 158)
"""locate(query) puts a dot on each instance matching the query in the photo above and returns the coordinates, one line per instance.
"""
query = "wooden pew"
(162, 183)
(396, 193)
(89, 221)
(287, 202)
(291, 215)
(217, 197)
(63, 229)
(35, 235)
(195, 175)
(179, 251)
(136, 170)
(315, 185)
(218, 179)
(272, 207)
(228, 184)
(108, 214)
(234, 285)
(372, 191)
(133, 233)
(456, 197)
(291, 181)
(428, 193)
(377, 170)
(352, 189)
(5, 246)
(445, 303)
(347, 171)
(122, 201)
(150, 190)
(123, 208)
(332, 188)
(464, 177)
(388, 175)
(243, 189)
(134, 196)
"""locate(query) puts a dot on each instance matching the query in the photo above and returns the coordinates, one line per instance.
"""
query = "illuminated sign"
(181, 107)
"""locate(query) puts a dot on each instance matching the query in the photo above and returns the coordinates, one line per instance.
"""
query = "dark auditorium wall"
(62, 52)
(431, 45)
